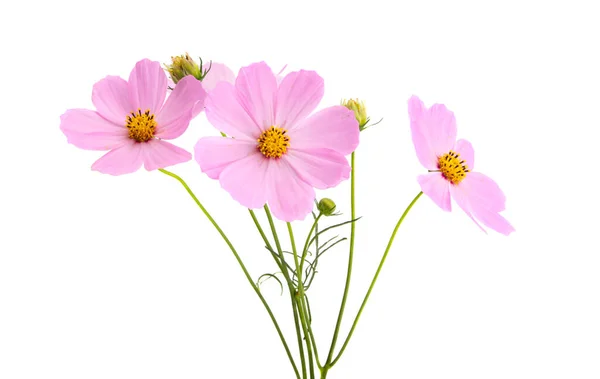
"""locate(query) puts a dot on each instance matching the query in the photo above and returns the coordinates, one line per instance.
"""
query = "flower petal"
(334, 128)
(481, 198)
(279, 76)
(218, 73)
(321, 168)
(161, 154)
(245, 180)
(88, 130)
(257, 89)
(436, 187)
(466, 152)
(433, 131)
(299, 94)
(484, 191)
(147, 86)
(224, 112)
(125, 159)
(289, 197)
(462, 199)
(111, 99)
(494, 221)
(214, 154)
(174, 117)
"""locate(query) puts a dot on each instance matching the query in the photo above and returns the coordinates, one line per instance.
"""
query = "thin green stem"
(306, 244)
(239, 260)
(350, 258)
(291, 287)
(306, 307)
(300, 302)
(260, 230)
(387, 249)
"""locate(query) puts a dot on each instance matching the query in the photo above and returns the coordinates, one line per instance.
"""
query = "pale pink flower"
(278, 153)
(450, 164)
(132, 120)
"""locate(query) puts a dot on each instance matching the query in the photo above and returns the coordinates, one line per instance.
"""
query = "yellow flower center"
(273, 142)
(453, 169)
(141, 125)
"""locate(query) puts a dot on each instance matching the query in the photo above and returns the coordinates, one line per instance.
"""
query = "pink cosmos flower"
(278, 153)
(450, 164)
(132, 120)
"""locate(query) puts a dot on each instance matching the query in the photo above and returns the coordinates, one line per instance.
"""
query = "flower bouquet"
(277, 146)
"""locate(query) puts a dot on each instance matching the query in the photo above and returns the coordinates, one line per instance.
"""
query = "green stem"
(306, 308)
(349, 272)
(387, 249)
(239, 260)
(305, 250)
(291, 287)
(300, 302)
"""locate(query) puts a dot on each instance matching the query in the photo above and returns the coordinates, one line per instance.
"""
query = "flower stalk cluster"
(274, 151)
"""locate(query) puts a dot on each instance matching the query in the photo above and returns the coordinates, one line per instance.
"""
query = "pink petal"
(161, 154)
(214, 154)
(125, 159)
(289, 197)
(257, 89)
(466, 152)
(481, 198)
(433, 131)
(436, 187)
(170, 83)
(334, 128)
(245, 180)
(279, 76)
(494, 221)
(147, 86)
(111, 99)
(321, 168)
(462, 199)
(88, 130)
(198, 108)
(484, 191)
(218, 73)
(174, 117)
(299, 94)
(225, 112)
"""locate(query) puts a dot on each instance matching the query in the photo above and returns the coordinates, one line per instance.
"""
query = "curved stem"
(291, 287)
(300, 302)
(239, 260)
(387, 249)
(349, 272)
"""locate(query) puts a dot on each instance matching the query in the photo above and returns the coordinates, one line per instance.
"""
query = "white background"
(123, 277)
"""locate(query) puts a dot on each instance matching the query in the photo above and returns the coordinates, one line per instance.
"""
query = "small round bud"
(326, 206)
(359, 109)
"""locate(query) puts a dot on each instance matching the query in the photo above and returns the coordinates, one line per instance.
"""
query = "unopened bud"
(326, 206)
(182, 66)
(359, 109)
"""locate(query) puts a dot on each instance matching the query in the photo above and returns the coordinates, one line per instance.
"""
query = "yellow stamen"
(273, 142)
(141, 125)
(453, 169)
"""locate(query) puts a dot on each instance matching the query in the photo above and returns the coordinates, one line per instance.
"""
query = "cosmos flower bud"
(326, 206)
(182, 66)
(359, 109)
